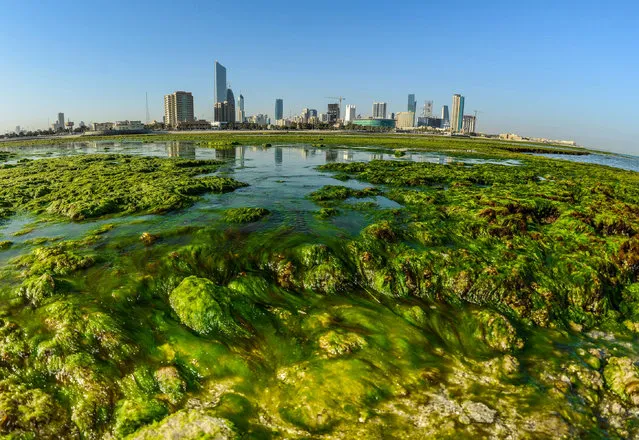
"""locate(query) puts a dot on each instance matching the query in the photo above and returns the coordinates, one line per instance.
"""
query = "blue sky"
(564, 69)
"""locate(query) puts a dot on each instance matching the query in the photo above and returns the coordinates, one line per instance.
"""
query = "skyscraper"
(412, 104)
(230, 106)
(241, 116)
(379, 110)
(333, 113)
(178, 107)
(445, 117)
(457, 120)
(350, 114)
(279, 109)
(220, 82)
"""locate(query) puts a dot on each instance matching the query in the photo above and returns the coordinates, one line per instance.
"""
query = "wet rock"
(131, 415)
(337, 343)
(497, 332)
(148, 239)
(204, 307)
(171, 384)
(188, 425)
(5, 244)
(622, 378)
(478, 412)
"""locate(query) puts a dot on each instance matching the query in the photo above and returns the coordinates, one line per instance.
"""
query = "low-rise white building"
(128, 126)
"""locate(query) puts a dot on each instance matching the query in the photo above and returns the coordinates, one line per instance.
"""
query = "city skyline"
(555, 85)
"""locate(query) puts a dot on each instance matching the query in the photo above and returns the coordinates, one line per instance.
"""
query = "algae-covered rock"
(245, 215)
(131, 415)
(171, 384)
(204, 307)
(5, 244)
(622, 378)
(32, 413)
(337, 343)
(188, 425)
(322, 271)
(36, 288)
(496, 331)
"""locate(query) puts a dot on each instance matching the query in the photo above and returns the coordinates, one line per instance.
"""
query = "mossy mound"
(245, 215)
(335, 192)
(204, 307)
(622, 378)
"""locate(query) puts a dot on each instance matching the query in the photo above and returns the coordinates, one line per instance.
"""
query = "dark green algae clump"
(497, 301)
(91, 186)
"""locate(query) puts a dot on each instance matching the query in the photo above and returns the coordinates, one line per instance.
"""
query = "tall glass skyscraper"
(412, 104)
(279, 109)
(456, 123)
(220, 83)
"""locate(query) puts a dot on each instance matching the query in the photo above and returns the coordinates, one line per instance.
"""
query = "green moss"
(622, 378)
(5, 244)
(92, 186)
(245, 215)
(332, 192)
(204, 307)
(131, 415)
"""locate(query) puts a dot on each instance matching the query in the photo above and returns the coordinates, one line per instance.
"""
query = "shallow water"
(279, 178)
(625, 162)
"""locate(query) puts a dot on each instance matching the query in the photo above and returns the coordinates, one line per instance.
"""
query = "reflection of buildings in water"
(348, 155)
(225, 154)
(377, 156)
(240, 153)
(442, 160)
(278, 155)
(179, 149)
(304, 152)
(331, 155)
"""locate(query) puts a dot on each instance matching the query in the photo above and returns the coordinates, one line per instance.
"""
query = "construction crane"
(340, 99)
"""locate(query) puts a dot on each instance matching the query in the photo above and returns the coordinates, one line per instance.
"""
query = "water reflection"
(180, 149)
(330, 156)
(278, 156)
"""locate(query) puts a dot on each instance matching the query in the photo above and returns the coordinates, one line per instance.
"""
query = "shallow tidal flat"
(336, 289)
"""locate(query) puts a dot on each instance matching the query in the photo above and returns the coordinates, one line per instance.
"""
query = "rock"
(497, 332)
(478, 412)
(171, 384)
(148, 239)
(188, 425)
(204, 307)
(131, 415)
(336, 344)
(622, 378)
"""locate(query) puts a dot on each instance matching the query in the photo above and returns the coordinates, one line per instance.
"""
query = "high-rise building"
(412, 104)
(428, 109)
(220, 83)
(468, 125)
(279, 109)
(351, 113)
(312, 113)
(445, 118)
(379, 110)
(457, 119)
(405, 120)
(241, 115)
(333, 113)
(178, 107)
(230, 106)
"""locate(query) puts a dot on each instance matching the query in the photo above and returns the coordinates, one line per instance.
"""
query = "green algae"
(91, 186)
(491, 303)
(245, 215)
